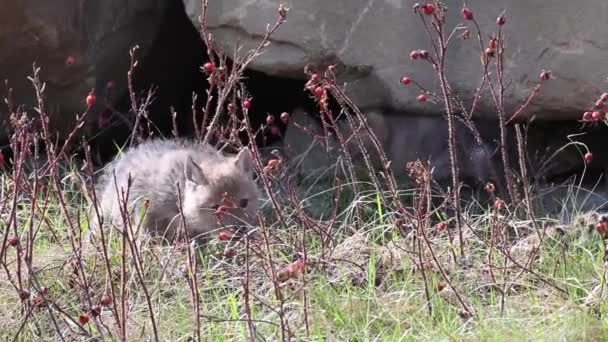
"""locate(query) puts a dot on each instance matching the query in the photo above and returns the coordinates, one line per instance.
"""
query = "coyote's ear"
(193, 172)
(243, 160)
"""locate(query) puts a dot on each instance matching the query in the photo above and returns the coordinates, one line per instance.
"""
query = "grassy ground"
(364, 280)
(362, 267)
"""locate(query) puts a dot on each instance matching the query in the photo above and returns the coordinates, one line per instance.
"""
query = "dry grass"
(348, 255)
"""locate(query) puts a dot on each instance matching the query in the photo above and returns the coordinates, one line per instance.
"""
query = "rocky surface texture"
(84, 44)
(372, 40)
(54, 35)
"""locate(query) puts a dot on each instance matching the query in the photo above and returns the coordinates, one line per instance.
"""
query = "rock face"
(54, 35)
(78, 44)
(372, 39)
(168, 59)
(404, 138)
(83, 45)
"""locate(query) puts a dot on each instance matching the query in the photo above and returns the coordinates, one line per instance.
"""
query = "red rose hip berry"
(70, 60)
(319, 91)
(13, 242)
(91, 99)
(84, 319)
(588, 157)
(221, 209)
(224, 236)
(273, 163)
(406, 80)
(501, 20)
(421, 98)
(467, 13)
(428, 9)
(209, 67)
(285, 117)
(247, 104)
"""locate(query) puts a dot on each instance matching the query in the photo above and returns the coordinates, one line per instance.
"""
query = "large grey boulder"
(79, 45)
(53, 34)
(372, 39)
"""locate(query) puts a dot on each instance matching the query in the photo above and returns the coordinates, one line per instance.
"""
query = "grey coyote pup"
(216, 190)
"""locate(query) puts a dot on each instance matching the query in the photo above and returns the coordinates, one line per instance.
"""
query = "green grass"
(379, 299)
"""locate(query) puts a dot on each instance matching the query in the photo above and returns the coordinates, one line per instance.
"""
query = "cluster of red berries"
(467, 13)
(38, 301)
(597, 114)
(270, 121)
(492, 46)
(315, 87)
(600, 111)
(406, 81)
(423, 54)
(95, 310)
(284, 117)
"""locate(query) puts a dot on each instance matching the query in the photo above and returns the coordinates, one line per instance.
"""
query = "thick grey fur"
(203, 174)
